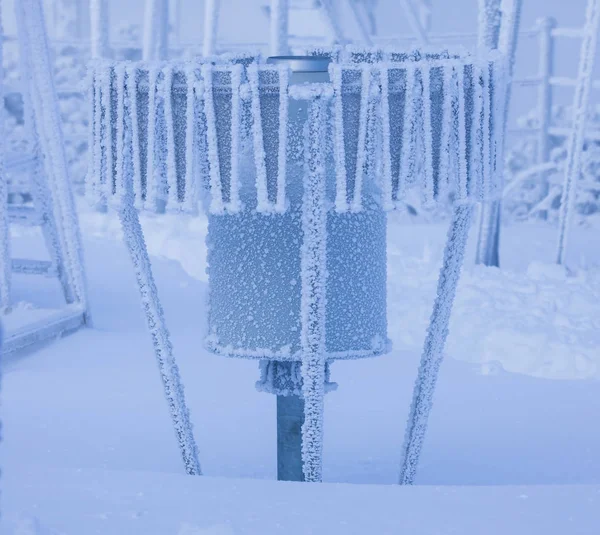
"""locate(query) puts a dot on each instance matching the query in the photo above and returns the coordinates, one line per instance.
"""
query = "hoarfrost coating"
(417, 90)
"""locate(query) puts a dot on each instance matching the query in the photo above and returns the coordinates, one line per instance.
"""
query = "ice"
(313, 278)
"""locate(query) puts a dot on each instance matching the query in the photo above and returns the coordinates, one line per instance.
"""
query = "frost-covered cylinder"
(254, 257)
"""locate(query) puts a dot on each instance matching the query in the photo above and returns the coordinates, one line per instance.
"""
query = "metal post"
(156, 30)
(290, 418)
(163, 350)
(433, 351)
(545, 72)
(363, 24)
(5, 263)
(577, 137)
(279, 27)
(211, 22)
(415, 22)
(99, 16)
(332, 19)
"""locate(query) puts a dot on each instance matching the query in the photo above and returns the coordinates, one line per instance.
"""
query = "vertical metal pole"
(545, 72)
(314, 278)
(433, 351)
(415, 22)
(5, 263)
(211, 23)
(290, 418)
(279, 27)
(42, 97)
(99, 31)
(156, 30)
(363, 26)
(577, 137)
(488, 241)
(332, 19)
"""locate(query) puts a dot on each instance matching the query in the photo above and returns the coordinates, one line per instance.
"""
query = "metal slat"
(24, 215)
(64, 321)
(25, 266)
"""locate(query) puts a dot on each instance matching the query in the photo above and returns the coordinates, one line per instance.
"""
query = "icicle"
(151, 182)
(313, 277)
(132, 88)
(462, 140)
(107, 126)
(120, 125)
(234, 180)
(172, 189)
(341, 186)
(428, 190)
(407, 163)
(191, 186)
(361, 149)
(387, 186)
(283, 142)
(262, 194)
(216, 204)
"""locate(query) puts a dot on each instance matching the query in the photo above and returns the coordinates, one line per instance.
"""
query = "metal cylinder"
(254, 262)
(255, 290)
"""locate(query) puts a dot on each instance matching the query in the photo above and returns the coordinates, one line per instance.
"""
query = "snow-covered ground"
(512, 446)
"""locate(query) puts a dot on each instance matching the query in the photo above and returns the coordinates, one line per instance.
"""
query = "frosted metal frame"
(54, 207)
(462, 156)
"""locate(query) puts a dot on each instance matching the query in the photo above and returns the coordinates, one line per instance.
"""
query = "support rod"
(577, 138)
(433, 351)
(163, 350)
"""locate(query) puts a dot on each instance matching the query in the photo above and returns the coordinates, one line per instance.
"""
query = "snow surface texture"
(89, 408)
(420, 88)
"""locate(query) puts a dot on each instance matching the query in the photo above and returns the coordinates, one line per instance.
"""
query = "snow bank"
(70, 503)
